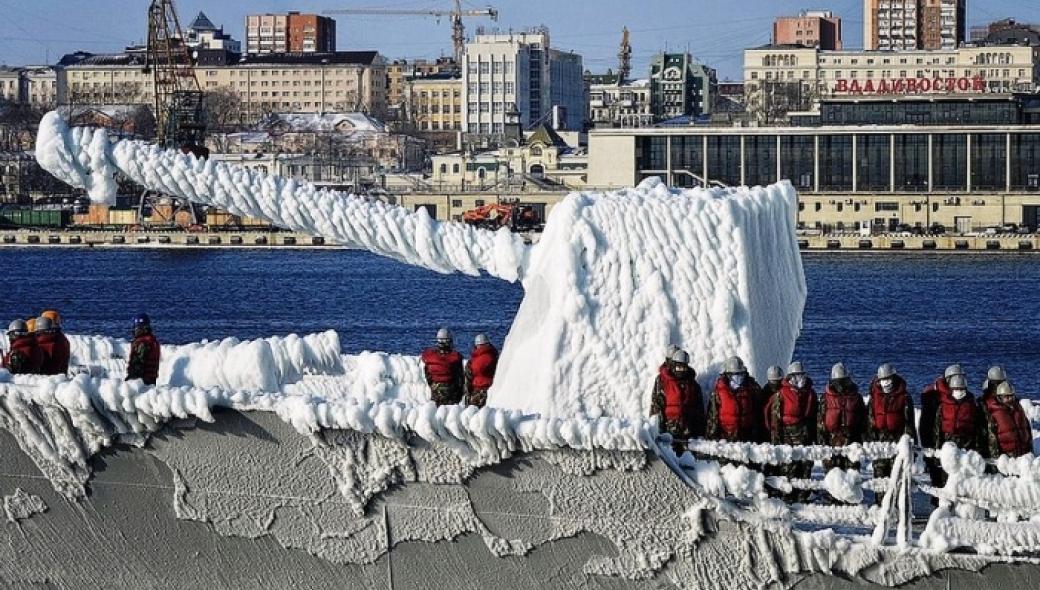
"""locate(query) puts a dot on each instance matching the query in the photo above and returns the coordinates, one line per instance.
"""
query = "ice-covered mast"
(85, 158)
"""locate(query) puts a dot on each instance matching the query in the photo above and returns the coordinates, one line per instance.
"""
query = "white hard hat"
(795, 368)
(443, 334)
(734, 365)
(479, 340)
(1005, 389)
(952, 370)
(18, 327)
(886, 371)
(774, 373)
(838, 371)
(681, 356)
(996, 373)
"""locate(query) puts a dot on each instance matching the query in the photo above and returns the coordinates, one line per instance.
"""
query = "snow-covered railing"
(990, 511)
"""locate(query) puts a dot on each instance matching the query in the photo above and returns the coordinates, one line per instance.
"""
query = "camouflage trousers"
(840, 461)
(679, 434)
(477, 397)
(795, 469)
(445, 394)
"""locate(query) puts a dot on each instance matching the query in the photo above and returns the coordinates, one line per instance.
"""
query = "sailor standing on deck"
(890, 414)
(677, 400)
(442, 365)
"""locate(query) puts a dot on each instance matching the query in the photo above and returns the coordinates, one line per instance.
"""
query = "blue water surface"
(919, 311)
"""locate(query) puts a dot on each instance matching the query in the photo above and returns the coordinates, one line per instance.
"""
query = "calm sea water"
(919, 311)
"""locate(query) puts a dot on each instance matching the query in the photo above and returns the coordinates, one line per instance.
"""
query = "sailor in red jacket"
(1008, 431)
(958, 419)
(926, 424)
(442, 366)
(735, 409)
(480, 371)
(54, 346)
(145, 350)
(791, 419)
(24, 356)
(677, 400)
(994, 377)
(842, 416)
(890, 414)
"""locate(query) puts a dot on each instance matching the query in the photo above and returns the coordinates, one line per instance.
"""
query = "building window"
(454, 168)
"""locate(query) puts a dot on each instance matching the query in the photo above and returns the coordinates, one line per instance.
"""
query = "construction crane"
(624, 58)
(179, 110)
(458, 32)
(180, 115)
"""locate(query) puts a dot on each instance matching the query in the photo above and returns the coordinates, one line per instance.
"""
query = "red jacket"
(683, 402)
(890, 414)
(929, 407)
(442, 367)
(844, 415)
(957, 418)
(797, 407)
(56, 351)
(25, 356)
(738, 414)
(1010, 426)
(482, 364)
(144, 359)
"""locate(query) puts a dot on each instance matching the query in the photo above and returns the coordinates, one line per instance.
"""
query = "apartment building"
(292, 32)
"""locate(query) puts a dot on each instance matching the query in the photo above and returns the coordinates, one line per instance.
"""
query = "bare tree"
(223, 114)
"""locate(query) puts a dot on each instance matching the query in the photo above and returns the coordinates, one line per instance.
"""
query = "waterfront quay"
(175, 238)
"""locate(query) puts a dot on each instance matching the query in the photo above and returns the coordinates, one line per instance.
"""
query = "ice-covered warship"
(284, 463)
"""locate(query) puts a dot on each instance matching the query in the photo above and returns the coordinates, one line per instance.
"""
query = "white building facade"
(519, 71)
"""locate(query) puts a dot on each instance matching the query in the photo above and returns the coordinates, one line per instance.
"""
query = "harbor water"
(919, 311)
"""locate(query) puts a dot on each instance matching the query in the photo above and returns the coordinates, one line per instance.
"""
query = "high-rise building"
(520, 74)
(290, 33)
(681, 87)
(811, 28)
(905, 25)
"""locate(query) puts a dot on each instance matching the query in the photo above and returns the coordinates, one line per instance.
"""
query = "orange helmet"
(30, 325)
(53, 315)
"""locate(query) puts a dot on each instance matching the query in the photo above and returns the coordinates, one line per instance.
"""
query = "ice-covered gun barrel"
(615, 278)
(85, 158)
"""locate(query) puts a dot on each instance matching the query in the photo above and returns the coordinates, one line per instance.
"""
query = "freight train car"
(18, 218)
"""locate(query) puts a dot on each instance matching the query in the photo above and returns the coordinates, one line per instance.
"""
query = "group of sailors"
(38, 346)
(787, 410)
(452, 383)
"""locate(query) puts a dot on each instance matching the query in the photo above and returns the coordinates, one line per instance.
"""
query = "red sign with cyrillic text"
(911, 86)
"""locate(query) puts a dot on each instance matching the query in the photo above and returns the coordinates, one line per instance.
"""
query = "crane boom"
(489, 12)
(458, 32)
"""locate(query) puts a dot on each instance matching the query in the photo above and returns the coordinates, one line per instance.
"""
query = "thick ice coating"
(618, 277)
(614, 280)
(84, 158)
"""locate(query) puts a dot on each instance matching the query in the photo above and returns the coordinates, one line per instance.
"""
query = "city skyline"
(592, 29)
